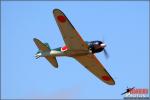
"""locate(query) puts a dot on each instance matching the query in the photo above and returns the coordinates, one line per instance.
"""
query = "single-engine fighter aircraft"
(75, 47)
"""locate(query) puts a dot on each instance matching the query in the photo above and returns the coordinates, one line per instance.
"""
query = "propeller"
(106, 53)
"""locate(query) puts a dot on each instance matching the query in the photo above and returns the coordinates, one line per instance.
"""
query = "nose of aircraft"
(103, 45)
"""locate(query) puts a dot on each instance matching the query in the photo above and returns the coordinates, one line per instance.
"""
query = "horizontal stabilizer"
(44, 48)
(52, 60)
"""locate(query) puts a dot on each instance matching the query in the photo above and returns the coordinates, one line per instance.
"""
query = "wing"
(71, 37)
(93, 65)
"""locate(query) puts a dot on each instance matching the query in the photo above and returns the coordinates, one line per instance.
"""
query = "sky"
(123, 26)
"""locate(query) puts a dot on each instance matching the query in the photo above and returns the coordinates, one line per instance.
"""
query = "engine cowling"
(95, 46)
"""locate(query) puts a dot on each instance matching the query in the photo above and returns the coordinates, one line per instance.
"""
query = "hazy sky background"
(123, 25)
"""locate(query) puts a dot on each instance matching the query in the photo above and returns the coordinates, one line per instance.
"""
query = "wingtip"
(113, 83)
(57, 10)
(34, 39)
(56, 65)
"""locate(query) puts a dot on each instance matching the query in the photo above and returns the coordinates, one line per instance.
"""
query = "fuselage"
(93, 47)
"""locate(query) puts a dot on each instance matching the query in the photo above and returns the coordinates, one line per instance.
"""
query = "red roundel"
(64, 48)
(61, 18)
(106, 78)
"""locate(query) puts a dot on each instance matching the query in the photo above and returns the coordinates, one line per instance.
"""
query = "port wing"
(71, 37)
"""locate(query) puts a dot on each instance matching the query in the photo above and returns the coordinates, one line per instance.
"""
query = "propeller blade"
(106, 53)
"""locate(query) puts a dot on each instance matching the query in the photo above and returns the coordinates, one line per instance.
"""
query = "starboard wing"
(93, 65)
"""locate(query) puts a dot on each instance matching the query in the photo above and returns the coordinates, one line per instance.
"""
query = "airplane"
(128, 90)
(76, 48)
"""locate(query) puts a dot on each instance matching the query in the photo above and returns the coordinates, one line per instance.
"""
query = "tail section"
(43, 52)
(52, 60)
